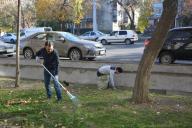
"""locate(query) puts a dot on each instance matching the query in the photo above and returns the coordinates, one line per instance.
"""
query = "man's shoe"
(59, 100)
(66, 83)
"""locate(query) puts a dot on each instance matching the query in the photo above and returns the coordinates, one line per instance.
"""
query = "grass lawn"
(27, 107)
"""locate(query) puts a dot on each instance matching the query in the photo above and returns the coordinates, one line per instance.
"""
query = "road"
(122, 52)
(117, 52)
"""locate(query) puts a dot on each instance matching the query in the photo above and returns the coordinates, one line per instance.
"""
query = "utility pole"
(17, 79)
(94, 16)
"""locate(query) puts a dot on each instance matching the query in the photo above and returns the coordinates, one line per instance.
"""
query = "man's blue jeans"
(47, 80)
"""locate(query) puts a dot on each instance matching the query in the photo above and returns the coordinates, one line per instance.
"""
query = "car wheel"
(9, 55)
(28, 53)
(91, 58)
(166, 58)
(103, 41)
(127, 41)
(12, 41)
(75, 54)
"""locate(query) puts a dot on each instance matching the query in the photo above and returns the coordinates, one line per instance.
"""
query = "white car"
(126, 36)
(91, 35)
(9, 38)
(7, 49)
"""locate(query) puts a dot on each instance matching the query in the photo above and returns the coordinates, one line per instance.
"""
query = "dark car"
(177, 45)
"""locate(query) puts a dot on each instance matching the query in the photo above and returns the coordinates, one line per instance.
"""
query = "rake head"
(73, 99)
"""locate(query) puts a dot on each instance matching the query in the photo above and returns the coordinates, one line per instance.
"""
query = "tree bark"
(131, 18)
(17, 80)
(140, 90)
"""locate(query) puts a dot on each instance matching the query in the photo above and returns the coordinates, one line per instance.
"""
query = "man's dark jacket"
(51, 60)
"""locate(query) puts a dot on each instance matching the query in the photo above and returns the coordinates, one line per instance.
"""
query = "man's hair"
(119, 69)
(49, 43)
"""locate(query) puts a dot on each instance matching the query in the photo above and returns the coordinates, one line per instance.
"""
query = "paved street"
(122, 52)
(117, 52)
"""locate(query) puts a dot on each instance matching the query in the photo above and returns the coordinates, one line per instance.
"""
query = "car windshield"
(100, 33)
(70, 36)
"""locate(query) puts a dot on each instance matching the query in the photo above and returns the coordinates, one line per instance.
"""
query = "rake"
(72, 97)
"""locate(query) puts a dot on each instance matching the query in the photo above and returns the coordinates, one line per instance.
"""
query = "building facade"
(110, 16)
(184, 10)
(104, 17)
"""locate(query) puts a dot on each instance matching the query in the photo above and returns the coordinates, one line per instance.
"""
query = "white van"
(29, 31)
(126, 36)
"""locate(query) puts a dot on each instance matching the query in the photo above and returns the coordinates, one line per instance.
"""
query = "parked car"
(7, 49)
(67, 45)
(25, 32)
(91, 35)
(126, 36)
(177, 45)
(9, 38)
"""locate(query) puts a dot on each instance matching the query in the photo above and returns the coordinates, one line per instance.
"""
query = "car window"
(40, 36)
(179, 35)
(100, 33)
(93, 33)
(186, 35)
(113, 33)
(22, 33)
(8, 35)
(58, 37)
(122, 32)
(86, 34)
(70, 36)
(174, 35)
(50, 37)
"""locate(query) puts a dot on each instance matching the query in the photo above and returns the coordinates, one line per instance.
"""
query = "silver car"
(91, 35)
(7, 49)
(67, 45)
(9, 38)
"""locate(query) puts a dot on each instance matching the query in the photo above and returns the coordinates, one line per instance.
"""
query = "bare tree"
(28, 14)
(17, 80)
(129, 7)
(140, 91)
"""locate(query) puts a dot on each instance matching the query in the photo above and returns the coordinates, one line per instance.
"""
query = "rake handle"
(55, 79)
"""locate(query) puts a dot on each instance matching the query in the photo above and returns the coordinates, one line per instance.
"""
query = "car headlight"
(89, 46)
(98, 45)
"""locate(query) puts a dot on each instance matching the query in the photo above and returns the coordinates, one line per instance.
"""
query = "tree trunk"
(132, 27)
(23, 18)
(131, 18)
(17, 80)
(140, 90)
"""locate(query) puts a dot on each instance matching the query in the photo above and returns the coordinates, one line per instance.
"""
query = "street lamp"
(94, 16)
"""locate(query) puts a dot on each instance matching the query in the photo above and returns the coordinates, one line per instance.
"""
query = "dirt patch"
(24, 84)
